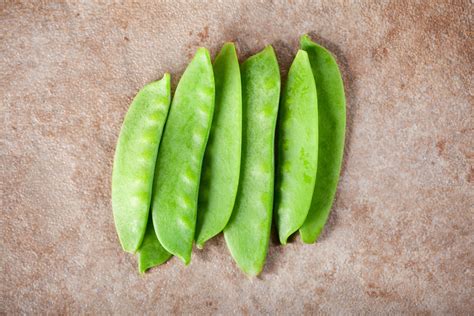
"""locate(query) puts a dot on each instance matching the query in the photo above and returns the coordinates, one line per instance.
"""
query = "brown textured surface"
(400, 237)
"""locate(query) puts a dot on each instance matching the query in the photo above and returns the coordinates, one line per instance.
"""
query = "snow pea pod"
(297, 147)
(248, 231)
(221, 167)
(151, 252)
(134, 161)
(332, 124)
(179, 162)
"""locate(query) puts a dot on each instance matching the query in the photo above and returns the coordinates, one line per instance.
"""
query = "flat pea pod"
(134, 161)
(221, 167)
(179, 162)
(248, 232)
(332, 125)
(151, 253)
(297, 147)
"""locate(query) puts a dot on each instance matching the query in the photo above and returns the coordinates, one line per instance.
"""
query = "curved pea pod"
(134, 161)
(151, 253)
(221, 167)
(332, 125)
(179, 162)
(248, 231)
(297, 147)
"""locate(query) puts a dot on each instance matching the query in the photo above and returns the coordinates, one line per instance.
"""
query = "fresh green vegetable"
(151, 253)
(221, 168)
(179, 161)
(248, 231)
(332, 124)
(297, 147)
(134, 161)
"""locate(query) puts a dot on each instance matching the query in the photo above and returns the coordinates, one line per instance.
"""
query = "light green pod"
(151, 253)
(248, 231)
(178, 167)
(297, 147)
(134, 161)
(221, 168)
(332, 125)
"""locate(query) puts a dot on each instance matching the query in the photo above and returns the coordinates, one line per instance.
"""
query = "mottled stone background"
(400, 237)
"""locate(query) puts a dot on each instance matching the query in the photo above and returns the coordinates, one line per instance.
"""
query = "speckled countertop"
(400, 237)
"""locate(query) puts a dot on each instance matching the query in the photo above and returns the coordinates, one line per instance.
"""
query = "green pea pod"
(134, 161)
(179, 162)
(332, 125)
(297, 147)
(151, 253)
(221, 167)
(248, 232)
